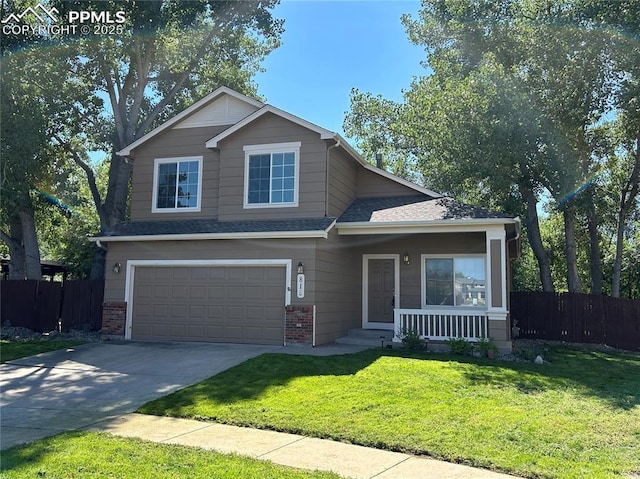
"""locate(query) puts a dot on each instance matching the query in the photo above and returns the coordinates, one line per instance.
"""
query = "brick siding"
(114, 317)
(298, 326)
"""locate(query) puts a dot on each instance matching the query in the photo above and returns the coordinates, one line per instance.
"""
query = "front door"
(380, 292)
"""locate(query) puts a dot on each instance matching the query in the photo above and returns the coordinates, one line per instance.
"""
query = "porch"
(441, 324)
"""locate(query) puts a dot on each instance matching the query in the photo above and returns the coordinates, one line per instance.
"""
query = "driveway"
(70, 389)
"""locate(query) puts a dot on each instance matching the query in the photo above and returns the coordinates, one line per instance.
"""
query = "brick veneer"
(114, 317)
(298, 324)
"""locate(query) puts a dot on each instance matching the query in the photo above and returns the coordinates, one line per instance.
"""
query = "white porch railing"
(441, 324)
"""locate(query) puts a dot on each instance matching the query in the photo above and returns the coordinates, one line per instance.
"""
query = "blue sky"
(332, 46)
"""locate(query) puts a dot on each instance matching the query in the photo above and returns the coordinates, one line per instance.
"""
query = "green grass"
(10, 350)
(88, 454)
(576, 417)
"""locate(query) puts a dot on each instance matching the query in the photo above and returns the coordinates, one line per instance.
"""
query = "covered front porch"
(439, 278)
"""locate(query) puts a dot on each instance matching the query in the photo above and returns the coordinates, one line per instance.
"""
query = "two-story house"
(251, 225)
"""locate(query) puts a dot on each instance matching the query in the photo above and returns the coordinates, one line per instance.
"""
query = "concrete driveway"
(70, 389)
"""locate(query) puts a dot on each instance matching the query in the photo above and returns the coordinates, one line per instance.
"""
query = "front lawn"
(10, 350)
(90, 454)
(577, 416)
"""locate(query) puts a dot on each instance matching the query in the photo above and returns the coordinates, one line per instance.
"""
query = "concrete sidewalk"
(300, 452)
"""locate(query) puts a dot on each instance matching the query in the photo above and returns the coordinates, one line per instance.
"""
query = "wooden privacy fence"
(577, 318)
(44, 306)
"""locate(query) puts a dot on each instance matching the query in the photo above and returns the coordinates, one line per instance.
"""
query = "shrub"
(459, 346)
(485, 345)
(411, 339)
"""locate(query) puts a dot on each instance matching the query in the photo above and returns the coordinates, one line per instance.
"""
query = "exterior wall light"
(300, 267)
(406, 259)
(116, 268)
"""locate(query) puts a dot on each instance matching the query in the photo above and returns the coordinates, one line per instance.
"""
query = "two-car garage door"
(238, 303)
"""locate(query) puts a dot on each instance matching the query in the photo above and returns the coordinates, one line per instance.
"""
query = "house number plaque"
(300, 287)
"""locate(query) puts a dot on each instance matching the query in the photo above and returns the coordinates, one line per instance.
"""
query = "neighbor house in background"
(251, 225)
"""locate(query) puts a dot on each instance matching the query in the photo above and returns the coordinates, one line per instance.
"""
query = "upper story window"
(454, 281)
(271, 175)
(177, 184)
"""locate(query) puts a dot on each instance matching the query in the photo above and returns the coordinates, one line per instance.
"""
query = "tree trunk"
(30, 242)
(617, 263)
(535, 240)
(16, 250)
(595, 260)
(573, 279)
(115, 206)
(98, 265)
(627, 199)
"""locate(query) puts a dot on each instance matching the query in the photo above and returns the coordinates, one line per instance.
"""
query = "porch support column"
(497, 288)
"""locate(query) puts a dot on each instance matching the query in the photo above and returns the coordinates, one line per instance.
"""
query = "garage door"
(242, 304)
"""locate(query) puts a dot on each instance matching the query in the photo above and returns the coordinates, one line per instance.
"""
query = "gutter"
(217, 236)
(434, 226)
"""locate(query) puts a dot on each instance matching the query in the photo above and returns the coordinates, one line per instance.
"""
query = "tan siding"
(337, 286)
(342, 181)
(175, 143)
(498, 331)
(294, 249)
(265, 130)
(372, 185)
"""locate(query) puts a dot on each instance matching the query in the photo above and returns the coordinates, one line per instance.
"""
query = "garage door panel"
(212, 303)
(236, 292)
(199, 274)
(198, 292)
(162, 274)
(197, 311)
(161, 291)
(181, 274)
(234, 313)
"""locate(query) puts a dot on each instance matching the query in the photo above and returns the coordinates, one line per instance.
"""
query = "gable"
(226, 110)
(373, 184)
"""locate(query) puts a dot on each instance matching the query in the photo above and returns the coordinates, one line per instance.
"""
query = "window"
(177, 184)
(271, 175)
(457, 281)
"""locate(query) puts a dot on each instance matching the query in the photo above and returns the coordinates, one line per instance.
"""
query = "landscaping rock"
(538, 360)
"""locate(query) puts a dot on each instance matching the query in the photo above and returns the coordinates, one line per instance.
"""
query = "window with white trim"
(454, 281)
(177, 184)
(271, 175)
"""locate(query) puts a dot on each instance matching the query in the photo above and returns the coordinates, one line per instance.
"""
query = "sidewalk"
(290, 450)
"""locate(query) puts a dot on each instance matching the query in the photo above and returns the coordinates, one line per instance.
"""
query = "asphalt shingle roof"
(413, 208)
(204, 226)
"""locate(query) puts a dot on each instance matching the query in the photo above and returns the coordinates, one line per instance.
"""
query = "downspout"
(515, 238)
(326, 184)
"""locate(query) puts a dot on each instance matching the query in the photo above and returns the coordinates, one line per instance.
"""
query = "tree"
(169, 54)
(518, 87)
(35, 96)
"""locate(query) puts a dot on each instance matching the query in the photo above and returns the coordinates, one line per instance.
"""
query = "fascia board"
(438, 226)
(216, 236)
(324, 134)
(126, 151)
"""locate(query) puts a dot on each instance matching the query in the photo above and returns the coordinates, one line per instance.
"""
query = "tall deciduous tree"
(518, 87)
(168, 54)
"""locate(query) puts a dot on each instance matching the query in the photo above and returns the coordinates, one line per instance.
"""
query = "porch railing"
(441, 324)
